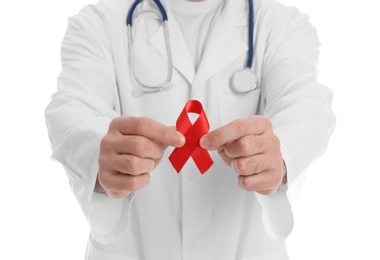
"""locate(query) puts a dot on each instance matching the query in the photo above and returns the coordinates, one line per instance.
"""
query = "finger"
(264, 182)
(120, 185)
(254, 125)
(130, 164)
(252, 164)
(157, 161)
(139, 146)
(269, 192)
(149, 128)
(226, 159)
(246, 146)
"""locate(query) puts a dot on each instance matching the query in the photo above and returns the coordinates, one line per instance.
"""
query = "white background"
(339, 212)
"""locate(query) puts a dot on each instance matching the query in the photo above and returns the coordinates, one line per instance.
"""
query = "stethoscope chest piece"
(244, 81)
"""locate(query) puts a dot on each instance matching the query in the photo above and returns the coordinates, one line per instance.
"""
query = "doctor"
(120, 92)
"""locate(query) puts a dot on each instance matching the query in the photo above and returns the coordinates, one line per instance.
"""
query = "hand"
(130, 150)
(251, 148)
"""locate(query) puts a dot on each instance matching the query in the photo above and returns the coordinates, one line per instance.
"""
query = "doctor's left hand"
(251, 148)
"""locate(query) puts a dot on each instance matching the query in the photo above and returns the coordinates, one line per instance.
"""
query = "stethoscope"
(243, 81)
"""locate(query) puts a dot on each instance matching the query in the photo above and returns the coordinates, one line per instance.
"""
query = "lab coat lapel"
(180, 53)
(223, 46)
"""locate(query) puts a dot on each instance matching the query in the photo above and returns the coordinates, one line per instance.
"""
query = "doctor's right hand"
(130, 150)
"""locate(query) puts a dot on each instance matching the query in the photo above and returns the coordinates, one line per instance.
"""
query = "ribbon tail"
(178, 159)
(202, 159)
(192, 133)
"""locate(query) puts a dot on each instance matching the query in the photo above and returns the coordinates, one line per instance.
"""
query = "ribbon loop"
(192, 133)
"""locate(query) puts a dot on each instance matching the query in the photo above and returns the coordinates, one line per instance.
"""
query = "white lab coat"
(188, 216)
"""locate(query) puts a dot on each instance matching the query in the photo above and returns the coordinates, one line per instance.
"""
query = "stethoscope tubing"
(159, 5)
(251, 31)
(168, 84)
(131, 11)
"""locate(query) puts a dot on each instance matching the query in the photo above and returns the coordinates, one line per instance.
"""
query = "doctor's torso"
(186, 215)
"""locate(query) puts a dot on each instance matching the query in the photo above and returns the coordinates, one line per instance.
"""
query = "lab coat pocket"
(234, 105)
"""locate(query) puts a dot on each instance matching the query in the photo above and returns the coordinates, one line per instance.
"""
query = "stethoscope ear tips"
(244, 81)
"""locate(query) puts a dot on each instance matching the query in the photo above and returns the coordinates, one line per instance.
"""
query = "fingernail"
(204, 142)
(181, 140)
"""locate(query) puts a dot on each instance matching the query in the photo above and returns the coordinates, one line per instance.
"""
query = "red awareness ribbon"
(192, 133)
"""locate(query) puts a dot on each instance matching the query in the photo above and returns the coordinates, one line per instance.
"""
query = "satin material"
(192, 132)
